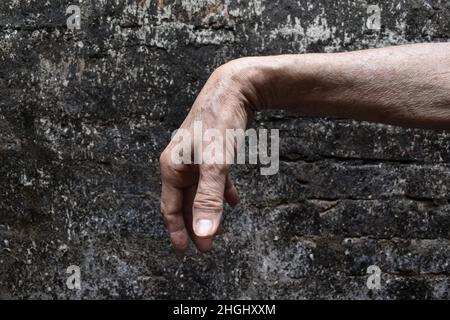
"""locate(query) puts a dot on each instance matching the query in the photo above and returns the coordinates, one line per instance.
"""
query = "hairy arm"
(405, 85)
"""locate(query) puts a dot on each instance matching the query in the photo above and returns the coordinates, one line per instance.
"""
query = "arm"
(406, 85)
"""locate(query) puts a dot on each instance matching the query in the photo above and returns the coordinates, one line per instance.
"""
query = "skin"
(407, 86)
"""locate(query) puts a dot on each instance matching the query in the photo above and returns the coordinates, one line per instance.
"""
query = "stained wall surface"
(84, 115)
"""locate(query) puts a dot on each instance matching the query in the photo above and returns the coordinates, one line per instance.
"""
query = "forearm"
(404, 85)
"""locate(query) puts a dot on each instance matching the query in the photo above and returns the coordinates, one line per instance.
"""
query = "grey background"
(85, 114)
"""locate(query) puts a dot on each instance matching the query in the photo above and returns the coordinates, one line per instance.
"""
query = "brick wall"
(85, 113)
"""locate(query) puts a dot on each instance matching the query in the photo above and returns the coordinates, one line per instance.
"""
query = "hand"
(192, 194)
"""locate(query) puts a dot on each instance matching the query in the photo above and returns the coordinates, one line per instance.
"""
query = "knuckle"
(208, 201)
(164, 158)
(171, 222)
(166, 210)
(165, 164)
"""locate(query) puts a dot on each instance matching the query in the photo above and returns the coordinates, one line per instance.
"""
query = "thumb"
(208, 203)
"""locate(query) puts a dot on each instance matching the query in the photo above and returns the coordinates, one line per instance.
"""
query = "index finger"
(172, 211)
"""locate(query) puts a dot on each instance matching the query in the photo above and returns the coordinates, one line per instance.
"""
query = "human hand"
(193, 191)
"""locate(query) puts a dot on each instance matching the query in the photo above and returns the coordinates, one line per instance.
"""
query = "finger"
(208, 202)
(171, 208)
(231, 194)
(204, 245)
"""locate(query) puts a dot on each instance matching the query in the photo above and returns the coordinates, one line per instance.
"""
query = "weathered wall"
(85, 114)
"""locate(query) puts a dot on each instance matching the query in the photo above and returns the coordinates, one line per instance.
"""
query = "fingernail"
(203, 227)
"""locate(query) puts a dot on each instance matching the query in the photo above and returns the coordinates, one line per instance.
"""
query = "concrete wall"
(84, 115)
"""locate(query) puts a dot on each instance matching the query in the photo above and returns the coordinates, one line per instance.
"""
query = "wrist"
(249, 78)
(274, 82)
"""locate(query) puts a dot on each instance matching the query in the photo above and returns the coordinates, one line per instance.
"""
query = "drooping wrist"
(242, 78)
(270, 82)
